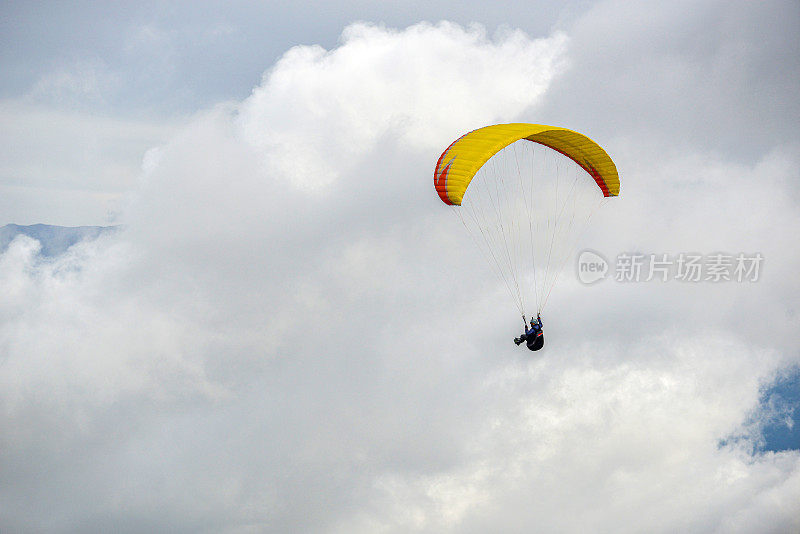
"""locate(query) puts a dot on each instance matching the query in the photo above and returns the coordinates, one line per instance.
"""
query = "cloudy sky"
(291, 333)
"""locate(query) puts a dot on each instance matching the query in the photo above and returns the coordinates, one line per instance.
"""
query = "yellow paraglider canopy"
(466, 155)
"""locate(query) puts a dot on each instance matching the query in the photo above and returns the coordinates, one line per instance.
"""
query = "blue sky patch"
(779, 413)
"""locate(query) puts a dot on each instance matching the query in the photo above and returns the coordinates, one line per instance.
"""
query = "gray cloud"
(190, 54)
(714, 76)
(64, 167)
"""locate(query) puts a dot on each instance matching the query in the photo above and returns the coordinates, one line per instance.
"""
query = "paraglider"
(533, 336)
(525, 193)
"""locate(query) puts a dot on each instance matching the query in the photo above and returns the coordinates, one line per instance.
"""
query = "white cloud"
(318, 112)
(276, 346)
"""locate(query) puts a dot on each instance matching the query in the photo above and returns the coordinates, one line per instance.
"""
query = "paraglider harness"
(533, 336)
